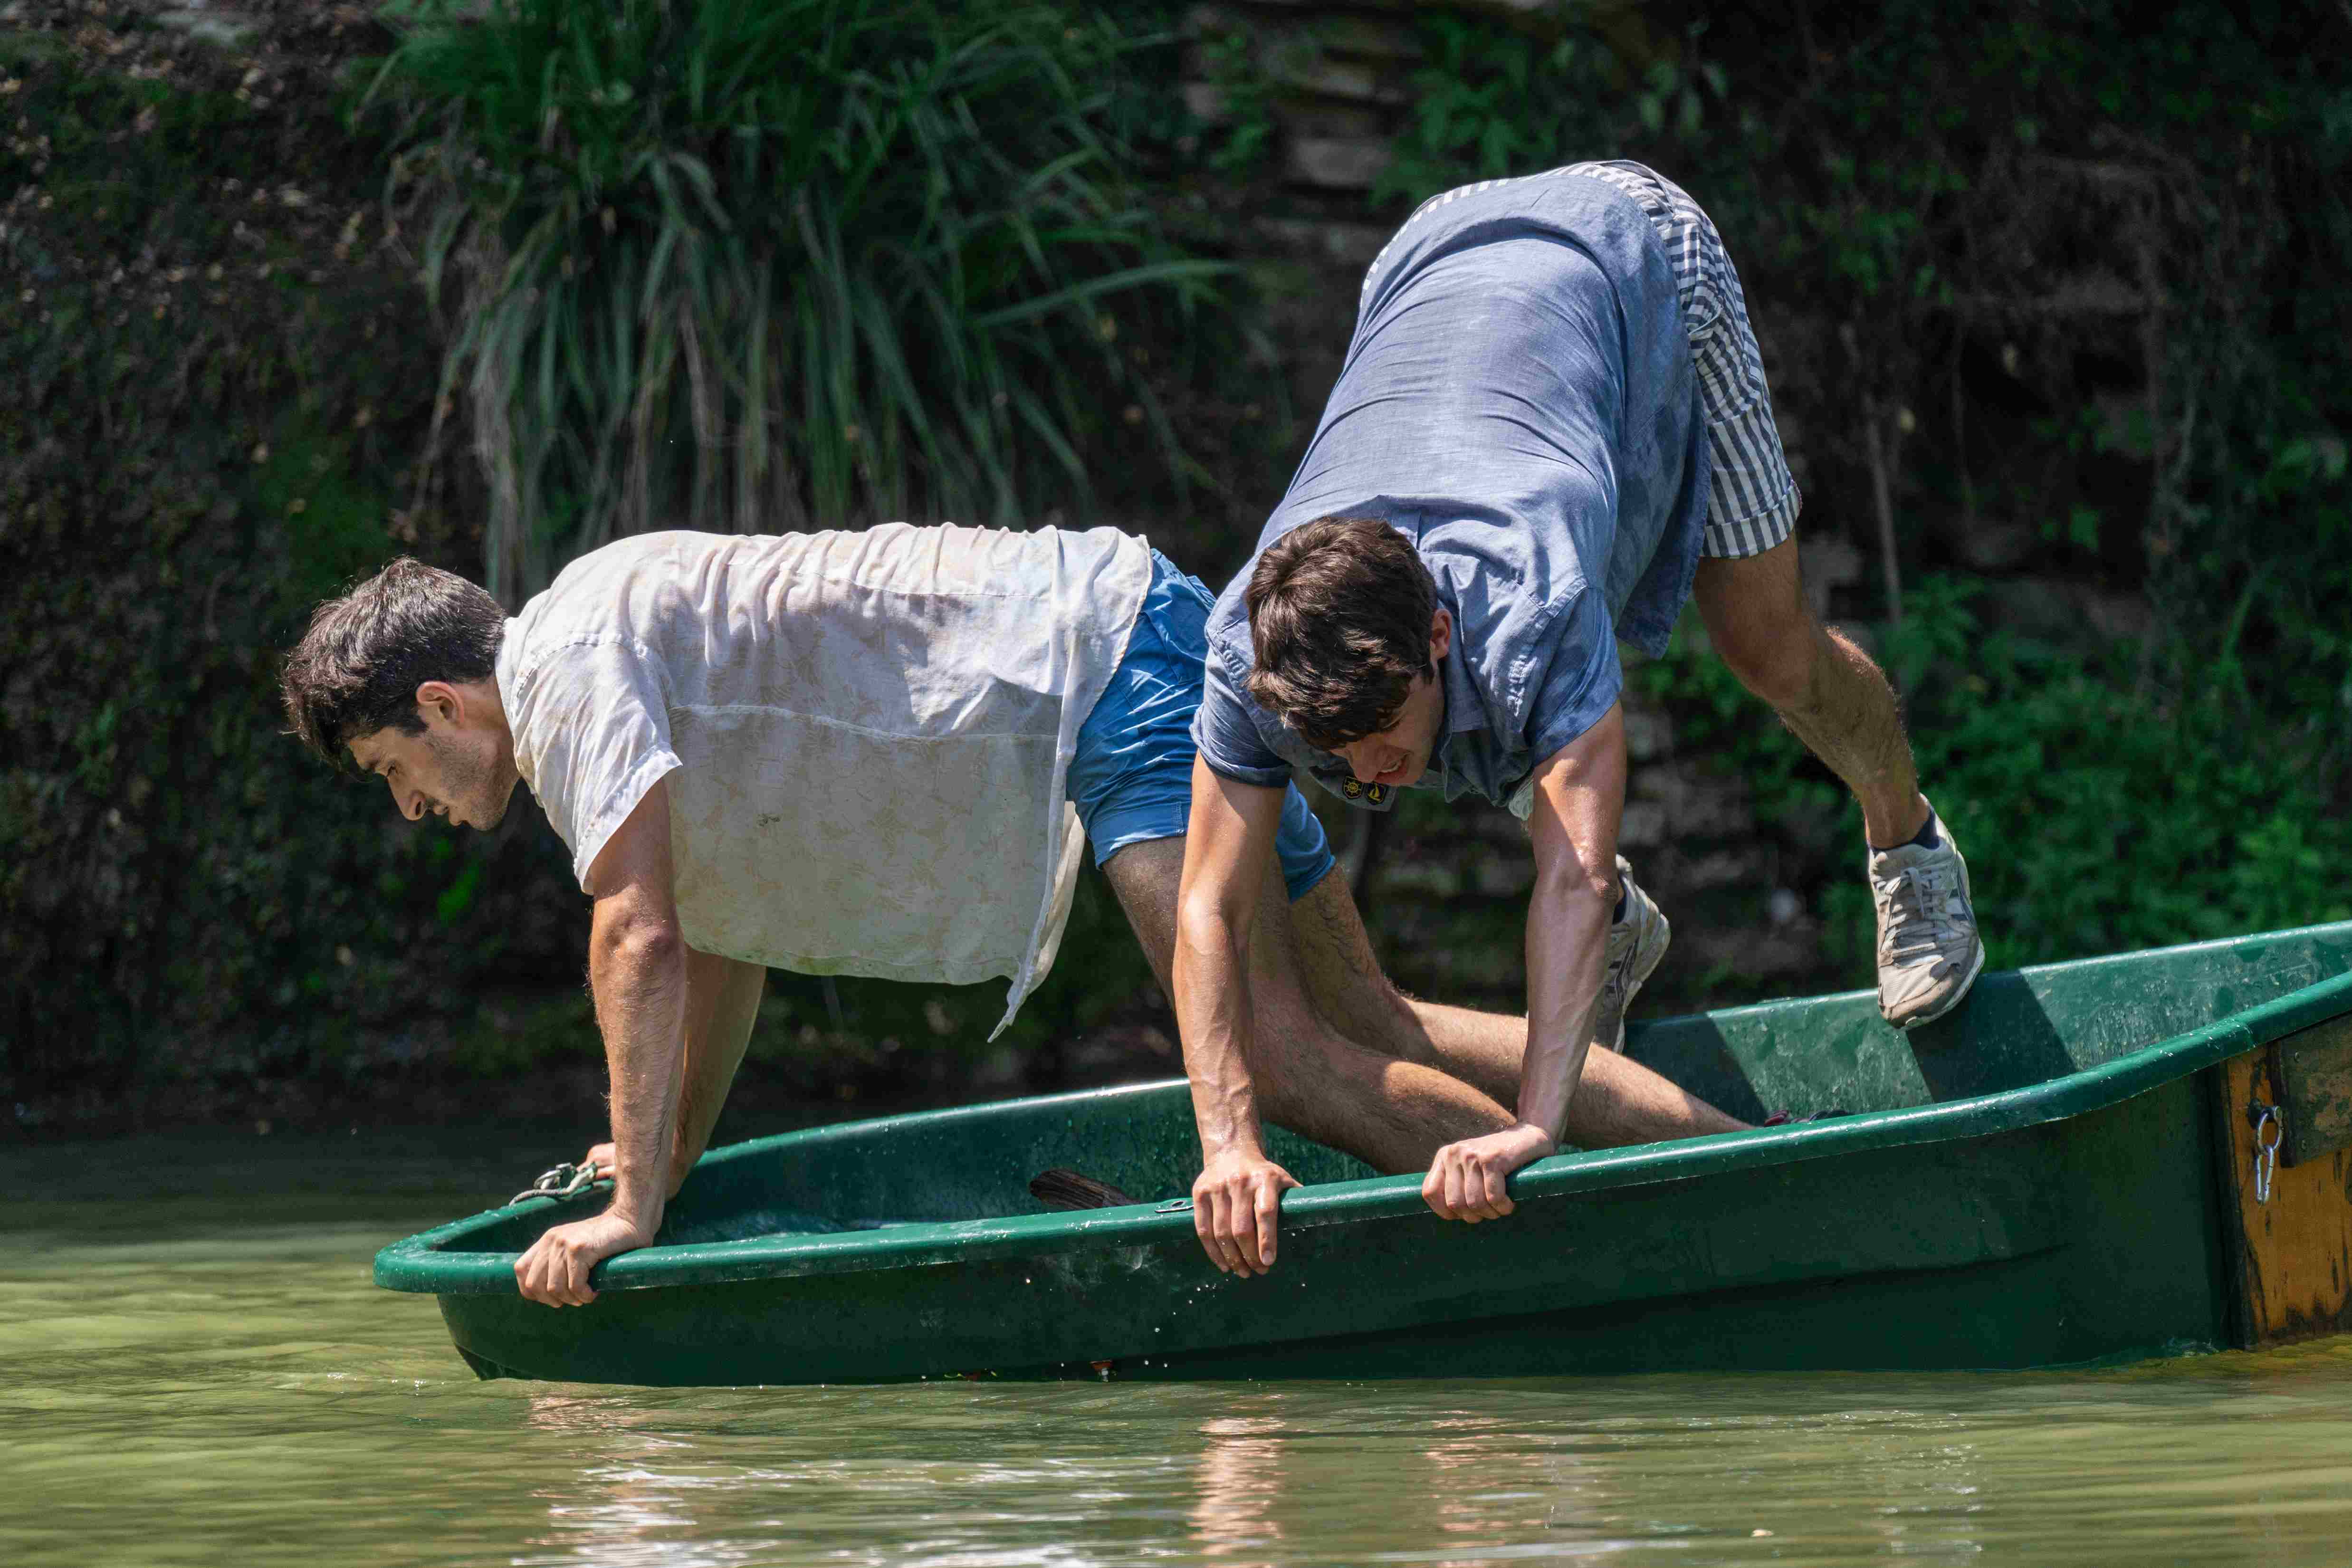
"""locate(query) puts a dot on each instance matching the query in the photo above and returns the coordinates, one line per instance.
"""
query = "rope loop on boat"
(564, 1181)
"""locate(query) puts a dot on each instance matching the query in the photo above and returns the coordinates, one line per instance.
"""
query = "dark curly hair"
(1339, 612)
(357, 670)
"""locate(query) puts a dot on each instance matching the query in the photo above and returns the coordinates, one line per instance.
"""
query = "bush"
(755, 265)
(2094, 819)
(215, 385)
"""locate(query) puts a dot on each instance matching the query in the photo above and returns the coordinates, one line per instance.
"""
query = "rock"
(1523, 11)
(1366, 37)
(1720, 869)
(2124, 618)
(1827, 565)
(1493, 875)
(1697, 805)
(223, 29)
(1332, 120)
(1993, 546)
(1420, 878)
(2039, 607)
(1302, 71)
(1753, 951)
(1338, 164)
(1349, 244)
(1205, 100)
(1648, 733)
(1644, 825)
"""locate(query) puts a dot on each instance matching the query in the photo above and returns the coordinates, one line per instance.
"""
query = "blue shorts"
(1132, 777)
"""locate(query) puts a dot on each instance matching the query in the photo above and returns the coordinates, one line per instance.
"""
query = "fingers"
(1236, 1227)
(1206, 1197)
(1497, 1196)
(1236, 1218)
(554, 1272)
(1213, 1210)
(1266, 1211)
(1467, 1184)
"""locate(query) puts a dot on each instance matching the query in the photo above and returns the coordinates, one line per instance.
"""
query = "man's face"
(1398, 755)
(455, 769)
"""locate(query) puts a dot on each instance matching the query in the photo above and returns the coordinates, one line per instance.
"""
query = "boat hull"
(2025, 1217)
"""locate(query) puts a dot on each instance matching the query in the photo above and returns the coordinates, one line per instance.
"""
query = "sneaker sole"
(1961, 995)
(1646, 964)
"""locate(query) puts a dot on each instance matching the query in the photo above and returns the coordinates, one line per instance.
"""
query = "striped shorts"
(1751, 500)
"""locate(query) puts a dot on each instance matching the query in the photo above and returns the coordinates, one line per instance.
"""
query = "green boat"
(2118, 1158)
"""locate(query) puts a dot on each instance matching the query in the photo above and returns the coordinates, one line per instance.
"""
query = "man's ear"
(1441, 633)
(439, 698)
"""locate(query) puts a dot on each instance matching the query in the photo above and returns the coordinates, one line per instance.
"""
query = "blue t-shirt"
(1518, 401)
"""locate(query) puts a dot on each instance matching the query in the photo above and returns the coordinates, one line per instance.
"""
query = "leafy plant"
(2096, 821)
(1245, 103)
(756, 264)
(1494, 101)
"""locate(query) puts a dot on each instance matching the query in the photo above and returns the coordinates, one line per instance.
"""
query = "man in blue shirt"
(1550, 431)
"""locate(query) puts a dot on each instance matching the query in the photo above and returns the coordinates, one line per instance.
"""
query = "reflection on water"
(197, 1380)
(1239, 1481)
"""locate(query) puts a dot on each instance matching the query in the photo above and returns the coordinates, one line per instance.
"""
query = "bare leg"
(1618, 1101)
(1391, 1099)
(1826, 689)
(1393, 1114)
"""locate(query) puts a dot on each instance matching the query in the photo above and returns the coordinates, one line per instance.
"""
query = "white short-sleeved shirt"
(867, 735)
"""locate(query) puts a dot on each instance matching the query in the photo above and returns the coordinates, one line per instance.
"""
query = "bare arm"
(1226, 848)
(1580, 796)
(637, 973)
(722, 1002)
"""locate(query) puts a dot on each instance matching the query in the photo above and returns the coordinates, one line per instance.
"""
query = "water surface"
(194, 1369)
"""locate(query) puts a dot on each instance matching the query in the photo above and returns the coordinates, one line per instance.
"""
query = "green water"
(194, 1369)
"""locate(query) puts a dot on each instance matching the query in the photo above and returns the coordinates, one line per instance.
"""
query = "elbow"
(639, 944)
(1571, 889)
(1566, 875)
(1204, 927)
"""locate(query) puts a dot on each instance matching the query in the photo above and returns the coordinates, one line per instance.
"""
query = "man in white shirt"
(876, 753)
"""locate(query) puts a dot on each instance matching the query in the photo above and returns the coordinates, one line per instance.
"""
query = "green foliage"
(2095, 820)
(1495, 101)
(2108, 822)
(1241, 142)
(750, 264)
(202, 421)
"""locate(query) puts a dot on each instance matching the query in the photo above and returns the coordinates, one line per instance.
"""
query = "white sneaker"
(1635, 946)
(1928, 950)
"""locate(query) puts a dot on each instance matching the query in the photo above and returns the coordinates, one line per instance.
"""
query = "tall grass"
(758, 265)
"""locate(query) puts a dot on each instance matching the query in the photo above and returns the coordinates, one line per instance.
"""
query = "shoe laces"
(1918, 911)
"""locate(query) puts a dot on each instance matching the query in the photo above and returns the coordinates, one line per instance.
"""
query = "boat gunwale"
(423, 1264)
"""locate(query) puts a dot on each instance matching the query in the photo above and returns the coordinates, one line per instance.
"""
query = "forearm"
(714, 1049)
(1567, 934)
(1214, 1018)
(637, 973)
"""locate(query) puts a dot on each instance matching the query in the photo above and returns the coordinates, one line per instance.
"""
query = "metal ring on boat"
(2266, 1149)
(564, 1181)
